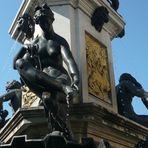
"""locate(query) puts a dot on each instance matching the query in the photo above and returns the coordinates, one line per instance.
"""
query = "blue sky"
(8, 46)
(129, 53)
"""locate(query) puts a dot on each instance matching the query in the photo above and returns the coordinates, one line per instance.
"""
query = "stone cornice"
(98, 115)
(93, 115)
(113, 27)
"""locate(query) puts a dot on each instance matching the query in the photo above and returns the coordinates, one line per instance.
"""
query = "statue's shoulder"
(61, 40)
(123, 85)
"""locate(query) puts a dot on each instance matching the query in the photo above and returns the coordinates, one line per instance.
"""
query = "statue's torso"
(49, 52)
(124, 99)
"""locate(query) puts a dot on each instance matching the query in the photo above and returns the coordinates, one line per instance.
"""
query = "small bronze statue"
(121, 34)
(13, 94)
(127, 88)
(26, 25)
(40, 65)
(99, 17)
(3, 115)
(142, 143)
(114, 4)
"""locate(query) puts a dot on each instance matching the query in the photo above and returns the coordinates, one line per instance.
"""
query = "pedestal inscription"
(97, 68)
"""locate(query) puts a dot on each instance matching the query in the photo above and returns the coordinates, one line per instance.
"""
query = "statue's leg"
(37, 77)
(55, 123)
(50, 109)
(49, 102)
(16, 101)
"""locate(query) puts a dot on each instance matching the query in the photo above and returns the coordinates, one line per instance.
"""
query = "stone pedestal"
(91, 48)
(87, 120)
(26, 121)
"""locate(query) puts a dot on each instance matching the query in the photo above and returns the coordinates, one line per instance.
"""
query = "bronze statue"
(142, 143)
(127, 88)
(114, 4)
(3, 115)
(26, 25)
(40, 65)
(13, 94)
(99, 17)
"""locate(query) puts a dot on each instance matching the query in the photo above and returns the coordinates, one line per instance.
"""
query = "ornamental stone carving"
(97, 67)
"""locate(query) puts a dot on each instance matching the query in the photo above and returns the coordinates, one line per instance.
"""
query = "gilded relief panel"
(97, 69)
(29, 99)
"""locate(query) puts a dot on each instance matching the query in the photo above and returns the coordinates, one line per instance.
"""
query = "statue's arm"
(9, 95)
(138, 92)
(70, 62)
(133, 89)
(145, 102)
(19, 55)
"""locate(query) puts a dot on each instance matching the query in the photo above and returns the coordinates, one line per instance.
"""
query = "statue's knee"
(20, 64)
(48, 102)
(46, 97)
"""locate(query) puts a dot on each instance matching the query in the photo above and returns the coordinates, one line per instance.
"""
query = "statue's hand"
(145, 94)
(145, 102)
(33, 49)
(75, 83)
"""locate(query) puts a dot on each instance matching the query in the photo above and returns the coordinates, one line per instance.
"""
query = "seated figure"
(40, 65)
(127, 88)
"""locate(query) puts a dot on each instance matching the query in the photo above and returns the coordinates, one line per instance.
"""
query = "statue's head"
(43, 14)
(13, 85)
(4, 114)
(26, 24)
(129, 77)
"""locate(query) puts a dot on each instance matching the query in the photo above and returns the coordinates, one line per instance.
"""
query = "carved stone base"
(87, 120)
(50, 141)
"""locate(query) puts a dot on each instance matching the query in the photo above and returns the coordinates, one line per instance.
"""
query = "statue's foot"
(68, 90)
